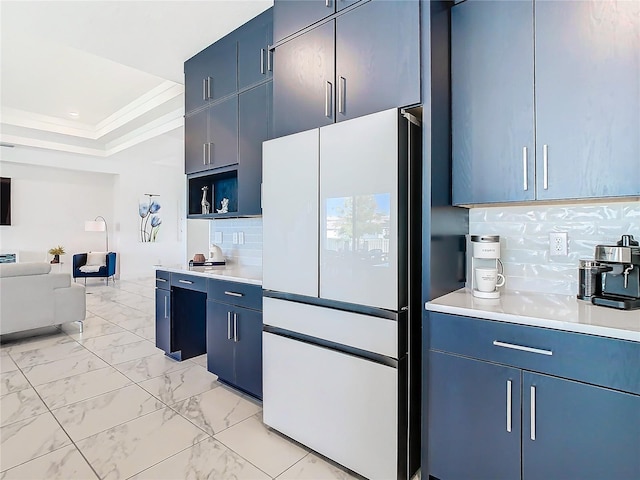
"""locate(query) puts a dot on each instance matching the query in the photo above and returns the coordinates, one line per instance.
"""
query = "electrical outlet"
(235, 238)
(558, 244)
(240, 238)
(218, 237)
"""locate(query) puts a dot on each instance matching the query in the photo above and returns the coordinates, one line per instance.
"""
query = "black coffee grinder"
(621, 280)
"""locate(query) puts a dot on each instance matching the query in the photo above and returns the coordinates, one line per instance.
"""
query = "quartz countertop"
(560, 312)
(232, 273)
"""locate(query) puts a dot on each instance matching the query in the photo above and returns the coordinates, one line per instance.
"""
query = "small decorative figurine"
(225, 206)
(206, 206)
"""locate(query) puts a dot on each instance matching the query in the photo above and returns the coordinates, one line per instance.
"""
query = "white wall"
(51, 204)
(49, 207)
(524, 237)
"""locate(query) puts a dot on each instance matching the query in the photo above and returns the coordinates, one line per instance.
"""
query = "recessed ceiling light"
(74, 114)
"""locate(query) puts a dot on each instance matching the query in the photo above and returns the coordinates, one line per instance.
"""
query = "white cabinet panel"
(333, 325)
(290, 213)
(359, 210)
(345, 407)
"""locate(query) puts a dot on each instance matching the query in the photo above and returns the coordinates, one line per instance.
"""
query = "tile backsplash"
(524, 237)
(249, 253)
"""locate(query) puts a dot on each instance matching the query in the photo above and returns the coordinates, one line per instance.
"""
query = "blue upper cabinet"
(492, 102)
(587, 99)
(211, 74)
(377, 71)
(254, 39)
(303, 81)
(584, 107)
(291, 16)
(363, 60)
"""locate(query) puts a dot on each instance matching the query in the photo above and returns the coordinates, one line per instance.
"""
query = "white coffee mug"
(488, 279)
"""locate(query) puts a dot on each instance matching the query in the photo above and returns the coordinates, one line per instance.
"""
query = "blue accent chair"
(105, 271)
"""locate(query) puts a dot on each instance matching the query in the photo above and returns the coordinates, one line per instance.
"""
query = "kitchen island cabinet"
(518, 140)
(507, 400)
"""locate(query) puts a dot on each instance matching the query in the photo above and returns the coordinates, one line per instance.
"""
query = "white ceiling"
(118, 63)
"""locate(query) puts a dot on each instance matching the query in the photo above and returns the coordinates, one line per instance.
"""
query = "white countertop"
(560, 312)
(232, 273)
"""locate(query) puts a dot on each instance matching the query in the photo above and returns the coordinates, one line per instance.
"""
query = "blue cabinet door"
(195, 141)
(211, 74)
(254, 37)
(163, 320)
(291, 16)
(303, 81)
(474, 419)
(492, 101)
(248, 350)
(255, 107)
(223, 133)
(587, 99)
(575, 430)
(220, 344)
(377, 58)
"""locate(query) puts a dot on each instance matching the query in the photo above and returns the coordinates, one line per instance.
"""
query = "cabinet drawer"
(234, 293)
(163, 279)
(189, 282)
(602, 361)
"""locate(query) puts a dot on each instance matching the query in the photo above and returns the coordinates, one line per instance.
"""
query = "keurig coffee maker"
(621, 280)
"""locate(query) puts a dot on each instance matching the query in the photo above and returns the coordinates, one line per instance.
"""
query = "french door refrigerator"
(341, 314)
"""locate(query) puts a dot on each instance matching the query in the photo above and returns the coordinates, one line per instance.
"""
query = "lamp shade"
(94, 226)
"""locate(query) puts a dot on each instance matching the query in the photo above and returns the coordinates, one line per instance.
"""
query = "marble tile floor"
(106, 403)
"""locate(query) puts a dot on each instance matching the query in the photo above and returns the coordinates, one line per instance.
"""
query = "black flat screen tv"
(5, 201)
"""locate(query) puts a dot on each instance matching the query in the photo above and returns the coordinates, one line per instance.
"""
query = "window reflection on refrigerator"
(357, 230)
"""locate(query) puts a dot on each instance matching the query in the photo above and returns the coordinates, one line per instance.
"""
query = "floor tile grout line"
(63, 429)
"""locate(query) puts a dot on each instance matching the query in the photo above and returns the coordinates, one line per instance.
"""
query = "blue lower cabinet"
(248, 354)
(163, 320)
(220, 346)
(474, 419)
(576, 430)
(507, 414)
(234, 346)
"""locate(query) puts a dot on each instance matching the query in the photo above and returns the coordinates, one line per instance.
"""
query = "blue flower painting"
(150, 220)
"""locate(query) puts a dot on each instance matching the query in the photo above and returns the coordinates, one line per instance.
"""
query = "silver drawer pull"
(234, 294)
(522, 347)
(188, 282)
(533, 413)
(509, 406)
(161, 279)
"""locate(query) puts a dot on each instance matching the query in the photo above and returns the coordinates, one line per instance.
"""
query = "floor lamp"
(98, 226)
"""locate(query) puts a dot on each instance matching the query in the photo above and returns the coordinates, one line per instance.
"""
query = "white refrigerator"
(337, 313)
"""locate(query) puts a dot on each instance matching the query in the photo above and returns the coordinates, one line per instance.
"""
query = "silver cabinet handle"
(204, 153)
(522, 347)
(165, 308)
(533, 412)
(262, 53)
(545, 166)
(269, 60)
(228, 325)
(234, 294)
(209, 81)
(525, 162)
(209, 153)
(188, 282)
(161, 279)
(509, 406)
(235, 327)
(327, 3)
(327, 99)
(342, 87)
(204, 88)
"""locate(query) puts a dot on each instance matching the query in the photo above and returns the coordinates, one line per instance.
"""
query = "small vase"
(56, 259)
